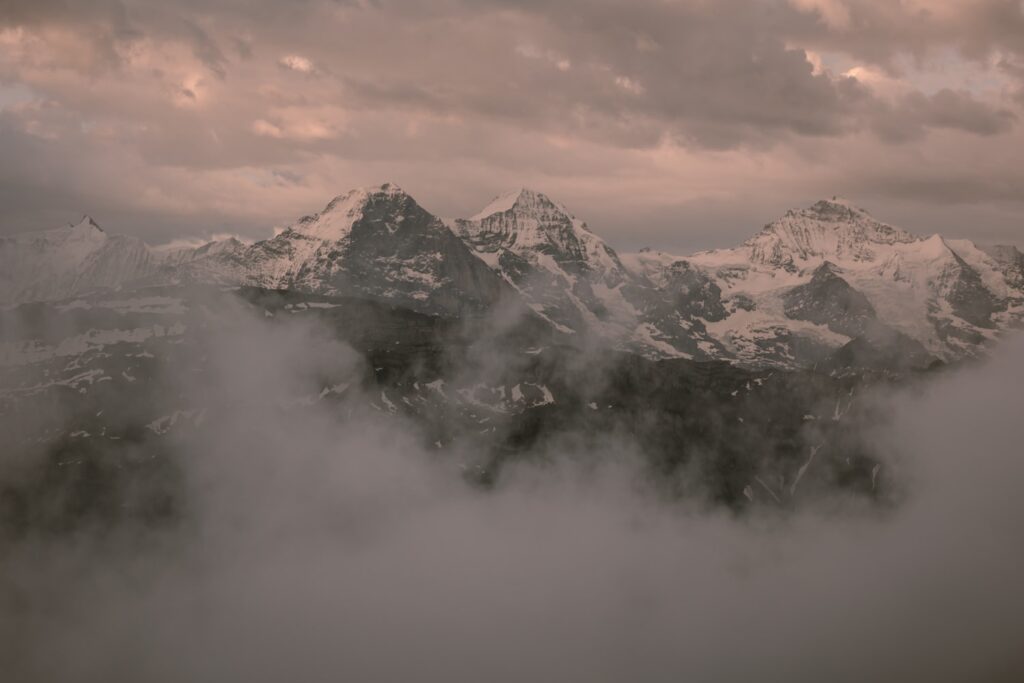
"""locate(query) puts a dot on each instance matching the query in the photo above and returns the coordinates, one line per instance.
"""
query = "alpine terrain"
(826, 286)
(498, 336)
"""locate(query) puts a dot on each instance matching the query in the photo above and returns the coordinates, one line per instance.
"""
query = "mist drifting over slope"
(316, 549)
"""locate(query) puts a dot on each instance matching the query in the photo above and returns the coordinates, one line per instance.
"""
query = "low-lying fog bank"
(315, 551)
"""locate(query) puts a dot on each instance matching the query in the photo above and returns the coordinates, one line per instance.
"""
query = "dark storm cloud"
(879, 31)
(945, 109)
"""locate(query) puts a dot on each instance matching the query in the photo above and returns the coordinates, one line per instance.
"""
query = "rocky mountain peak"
(86, 225)
(532, 226)
(361, 195)
(836, 207)
(826, 270)
(80, 238)
(831, 229)
(527, 219)
(521, 201)
(387, 203)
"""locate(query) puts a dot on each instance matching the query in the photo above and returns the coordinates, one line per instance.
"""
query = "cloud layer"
(316, 550)
(683, 124)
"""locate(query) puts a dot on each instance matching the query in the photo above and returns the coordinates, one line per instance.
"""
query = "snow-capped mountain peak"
(57, 263)
(808, 284)
(563, 271)
(86, 225)
(831, 229)
(523, 201)
(83, 233)
(500, 204)
(523, 219)
(527, 225)
(335, 221)
(374, 242)
(946, 295)
(72, 242)
(835, 203)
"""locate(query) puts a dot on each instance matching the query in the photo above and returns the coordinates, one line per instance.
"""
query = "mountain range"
(517, 332)
(825, 286)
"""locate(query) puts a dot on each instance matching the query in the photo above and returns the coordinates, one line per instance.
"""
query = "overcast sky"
(679, 124)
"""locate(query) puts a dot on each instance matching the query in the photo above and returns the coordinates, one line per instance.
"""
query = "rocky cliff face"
(829, 300)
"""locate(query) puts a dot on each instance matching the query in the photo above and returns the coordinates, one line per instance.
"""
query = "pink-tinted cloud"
(674, 123)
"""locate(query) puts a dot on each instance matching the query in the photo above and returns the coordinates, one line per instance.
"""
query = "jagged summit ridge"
(808, 284)
(505, 201)
(833, 229)
(528, 221)
(86, 229)
(835, 205)
(523, 201)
